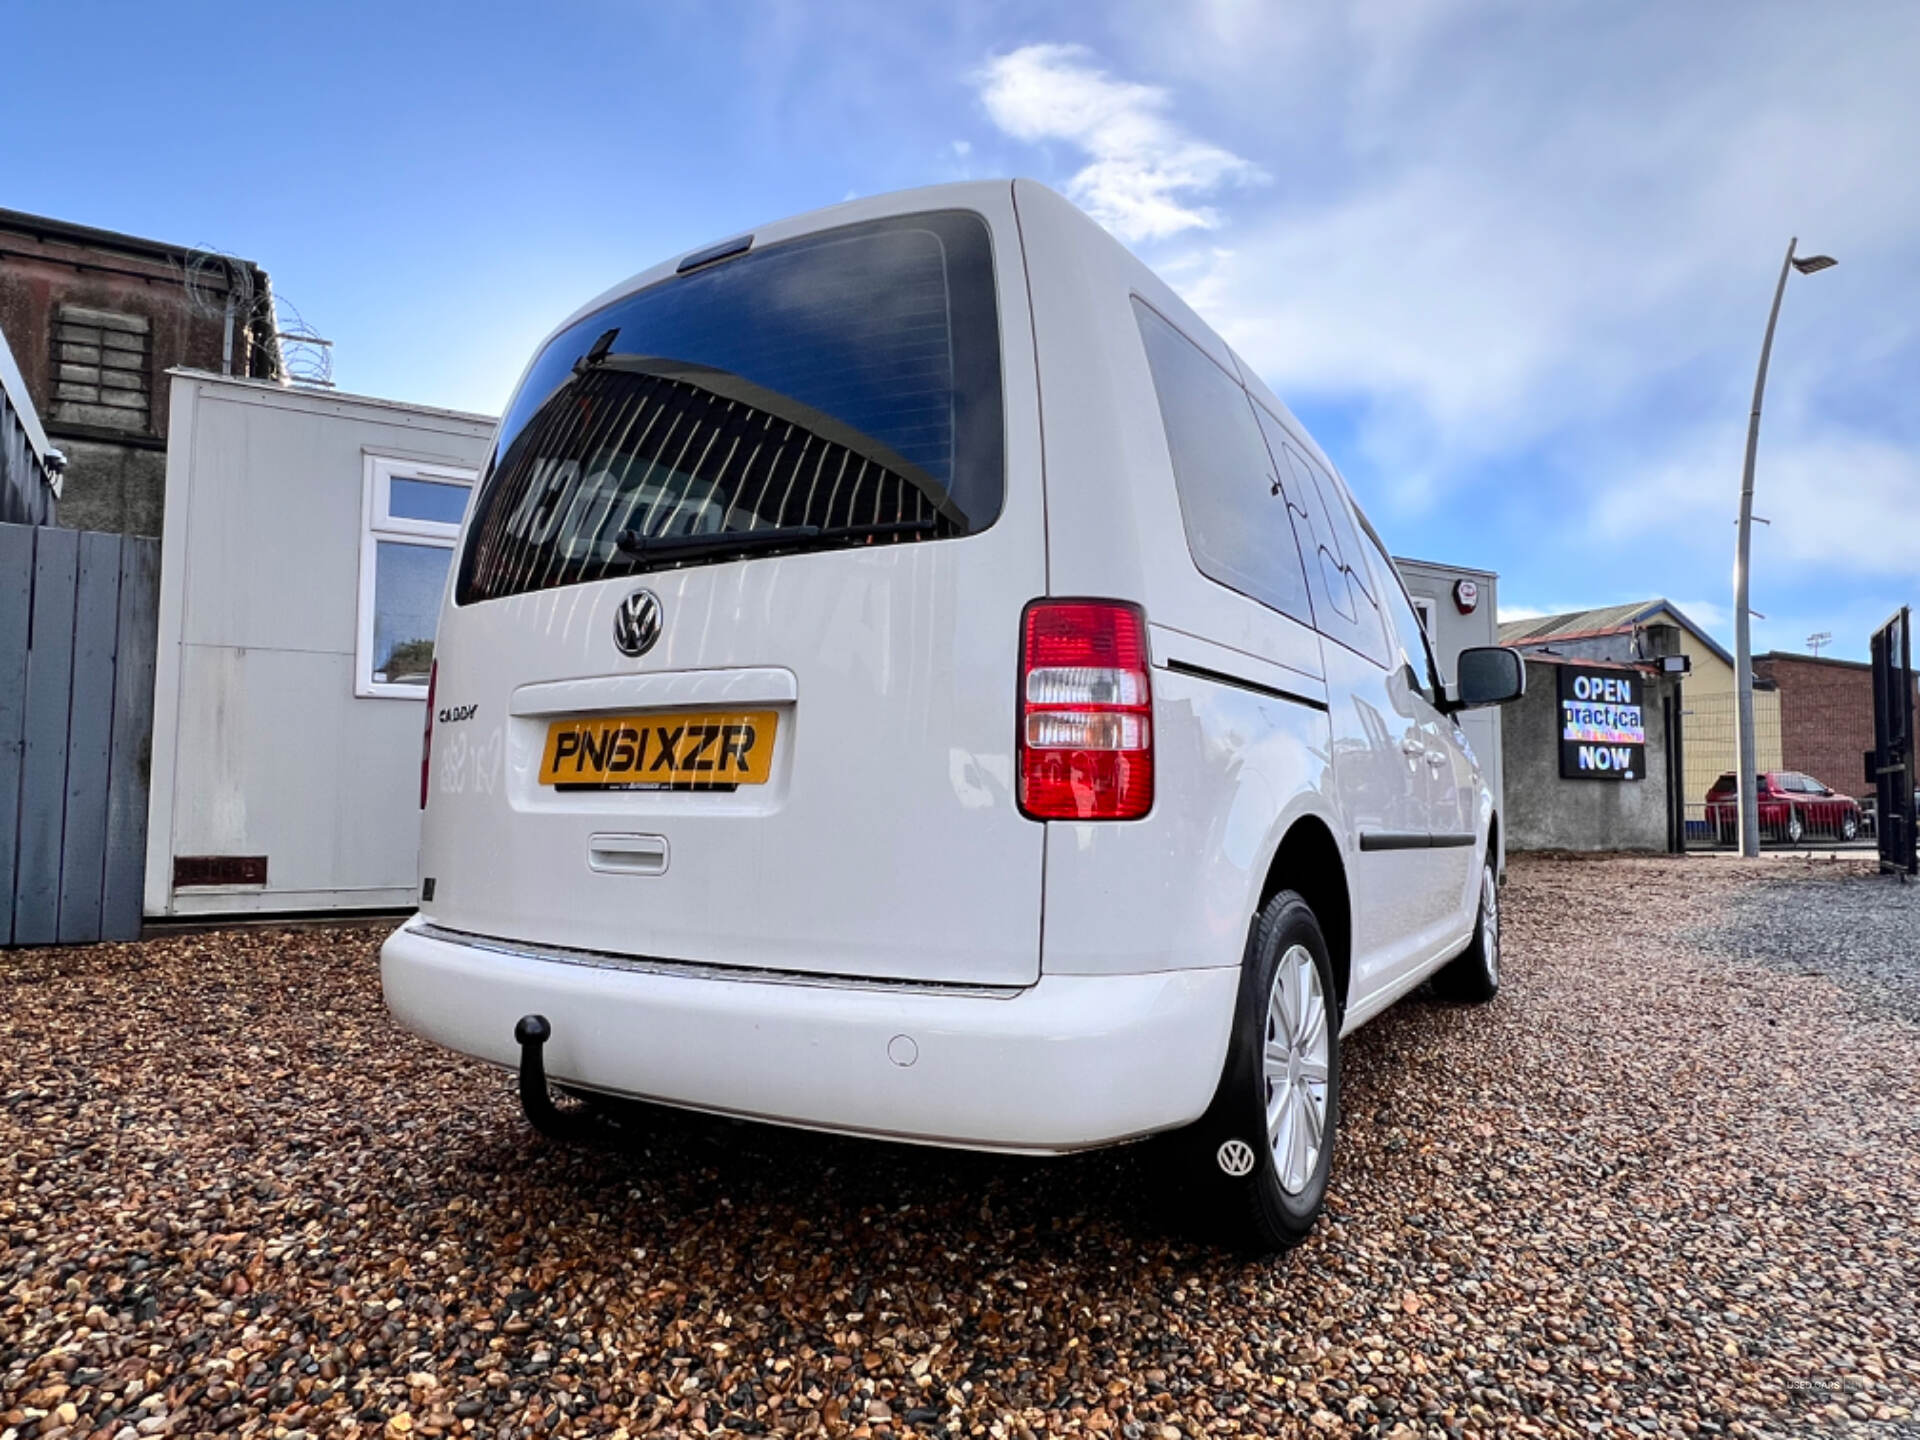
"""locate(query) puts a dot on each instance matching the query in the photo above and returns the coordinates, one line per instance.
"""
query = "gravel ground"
(1651, 1188)
(1857, 928)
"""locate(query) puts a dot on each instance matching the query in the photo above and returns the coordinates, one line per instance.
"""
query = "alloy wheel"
(1294, 1065)
(1490, 922)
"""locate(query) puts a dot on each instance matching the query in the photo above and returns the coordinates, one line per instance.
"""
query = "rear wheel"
(1850, 825)
(1473, 976)
(1260, 1157)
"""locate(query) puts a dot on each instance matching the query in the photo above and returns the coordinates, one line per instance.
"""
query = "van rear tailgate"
(737, 624)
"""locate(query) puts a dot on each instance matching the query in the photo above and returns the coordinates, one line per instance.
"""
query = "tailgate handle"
(627, 854)
(658, 690)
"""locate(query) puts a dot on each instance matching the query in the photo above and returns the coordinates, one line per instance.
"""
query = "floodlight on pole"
(1748, 771)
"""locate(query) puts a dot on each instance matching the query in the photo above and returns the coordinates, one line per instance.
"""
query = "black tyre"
(1850, 825)
(1257, 1163)
(1796, 827)
(1473, 976)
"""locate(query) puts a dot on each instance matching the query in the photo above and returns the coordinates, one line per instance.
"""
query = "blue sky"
(1510, 261)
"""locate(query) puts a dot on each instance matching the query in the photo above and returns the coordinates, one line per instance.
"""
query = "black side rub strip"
(1201, 672)
(1413, 840)
(1395, 840)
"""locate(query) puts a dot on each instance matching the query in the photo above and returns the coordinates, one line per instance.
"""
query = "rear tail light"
(1086, 711)
(426, 740)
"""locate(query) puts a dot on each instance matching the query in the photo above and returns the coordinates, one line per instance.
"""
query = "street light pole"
(1742, 635)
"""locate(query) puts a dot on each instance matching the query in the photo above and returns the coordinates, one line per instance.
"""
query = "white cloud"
(1708, 613)
(1526, 256)
(1146, 176)
(1841, 497)
(1831, 497)
(1522, 258)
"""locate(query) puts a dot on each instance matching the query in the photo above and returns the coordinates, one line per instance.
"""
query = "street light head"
(1813, 264)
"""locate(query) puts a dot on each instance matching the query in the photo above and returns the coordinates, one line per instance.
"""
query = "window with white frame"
(1429, 614)
(410, 518)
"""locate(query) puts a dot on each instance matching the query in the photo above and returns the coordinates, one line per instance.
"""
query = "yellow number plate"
(714, 747)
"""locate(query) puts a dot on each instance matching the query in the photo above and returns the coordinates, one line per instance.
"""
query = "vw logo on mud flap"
(1236, 1158)
(636, 624)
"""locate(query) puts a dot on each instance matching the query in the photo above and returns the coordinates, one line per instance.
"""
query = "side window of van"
(1410, 637)
(1335, 504)
(1342, 605)
(1236, 525)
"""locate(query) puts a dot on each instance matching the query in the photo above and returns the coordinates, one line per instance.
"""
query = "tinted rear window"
(842, 388)
(1230, 503)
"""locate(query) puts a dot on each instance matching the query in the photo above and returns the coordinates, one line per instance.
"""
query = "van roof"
(958, 195)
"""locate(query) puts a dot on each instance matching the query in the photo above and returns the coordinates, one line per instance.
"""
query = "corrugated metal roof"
(1606, 620)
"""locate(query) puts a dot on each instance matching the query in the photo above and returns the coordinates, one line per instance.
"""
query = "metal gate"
(1890, 764)
(77, 627)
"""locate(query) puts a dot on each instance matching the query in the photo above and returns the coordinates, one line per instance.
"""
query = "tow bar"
(531, 1035)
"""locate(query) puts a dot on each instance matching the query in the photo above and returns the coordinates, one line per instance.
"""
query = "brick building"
(1826, 715)
(95, 320)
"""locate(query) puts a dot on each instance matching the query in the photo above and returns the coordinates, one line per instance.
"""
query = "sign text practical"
(1603, 735)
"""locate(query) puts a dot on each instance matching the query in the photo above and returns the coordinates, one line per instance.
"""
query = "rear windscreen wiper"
(727, 542)
(885, 527)
(680, 547)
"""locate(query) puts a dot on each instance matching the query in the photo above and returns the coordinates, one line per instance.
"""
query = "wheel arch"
(1308, 861)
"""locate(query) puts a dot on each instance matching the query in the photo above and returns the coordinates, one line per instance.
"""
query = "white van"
(902, 674)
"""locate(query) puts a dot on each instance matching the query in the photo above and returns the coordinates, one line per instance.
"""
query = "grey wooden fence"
(77, 623)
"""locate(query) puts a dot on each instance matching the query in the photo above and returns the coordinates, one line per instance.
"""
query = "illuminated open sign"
(1603, 730)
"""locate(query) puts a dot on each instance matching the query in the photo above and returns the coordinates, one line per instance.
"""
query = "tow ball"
(576, 1123)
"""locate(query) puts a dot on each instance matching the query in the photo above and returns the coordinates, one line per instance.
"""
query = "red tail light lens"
(1086, 711)
(426, 740)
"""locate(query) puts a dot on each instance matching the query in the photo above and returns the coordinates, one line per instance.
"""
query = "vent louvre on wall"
(100, 369)
(189, 870)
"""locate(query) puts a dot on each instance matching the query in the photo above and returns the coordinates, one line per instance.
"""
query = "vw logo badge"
(1236, 1158)
(636, 624)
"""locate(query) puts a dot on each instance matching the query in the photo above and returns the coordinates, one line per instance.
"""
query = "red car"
(1792, 806)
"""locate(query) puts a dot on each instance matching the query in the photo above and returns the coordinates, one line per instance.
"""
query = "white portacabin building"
(307, 540)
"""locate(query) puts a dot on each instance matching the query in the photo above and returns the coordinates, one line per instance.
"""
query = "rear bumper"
(1071, 1062)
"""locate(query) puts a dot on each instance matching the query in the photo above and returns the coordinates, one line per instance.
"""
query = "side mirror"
(1489, 675)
